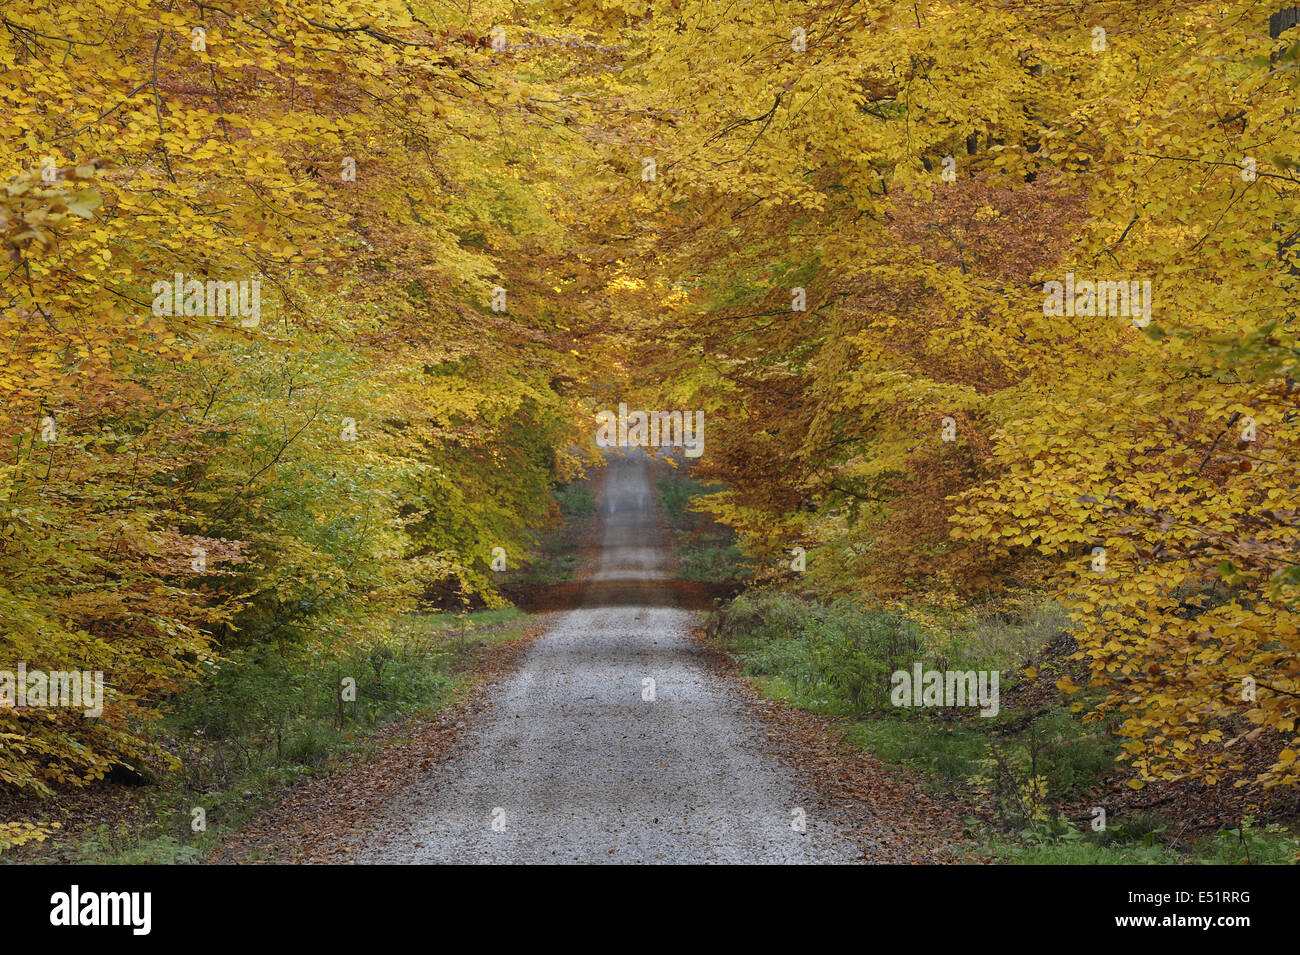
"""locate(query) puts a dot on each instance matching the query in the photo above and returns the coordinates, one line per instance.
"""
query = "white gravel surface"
(569, 763)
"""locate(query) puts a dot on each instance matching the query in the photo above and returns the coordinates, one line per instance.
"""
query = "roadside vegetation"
(1030, 776)
(706, 551)
(260, 722)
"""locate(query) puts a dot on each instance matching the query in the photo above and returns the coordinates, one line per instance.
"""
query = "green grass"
(950, 753)
(259, 722)
(834, 658)
(1139, 843)
(1023, 766)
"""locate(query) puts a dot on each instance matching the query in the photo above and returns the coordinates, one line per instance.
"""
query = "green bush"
(837, 657)
(262, 708)
(264, 717)
(676, 492)
(575, 500)
(706, 552)
(1072, 756)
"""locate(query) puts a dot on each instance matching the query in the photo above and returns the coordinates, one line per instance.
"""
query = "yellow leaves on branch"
(253, 390)
(923, 176)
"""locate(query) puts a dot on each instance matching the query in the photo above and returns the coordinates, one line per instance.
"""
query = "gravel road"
(572, 762)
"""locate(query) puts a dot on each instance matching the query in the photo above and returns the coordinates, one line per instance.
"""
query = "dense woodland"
(859, 236)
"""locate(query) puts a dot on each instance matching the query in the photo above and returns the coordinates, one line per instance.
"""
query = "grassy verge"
(258, 723)
(1029, 773)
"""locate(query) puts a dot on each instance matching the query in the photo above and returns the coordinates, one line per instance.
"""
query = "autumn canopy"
(306, 305)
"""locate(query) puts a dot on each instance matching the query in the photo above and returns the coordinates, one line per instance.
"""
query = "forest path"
(568, 761)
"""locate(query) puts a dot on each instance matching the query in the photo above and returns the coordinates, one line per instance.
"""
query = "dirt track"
(568, 761)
